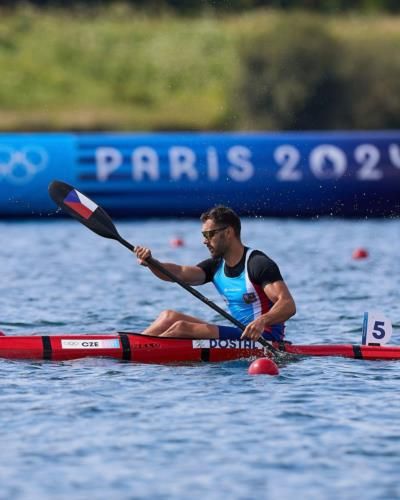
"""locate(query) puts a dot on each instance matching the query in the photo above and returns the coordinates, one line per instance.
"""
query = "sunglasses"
(210, 234)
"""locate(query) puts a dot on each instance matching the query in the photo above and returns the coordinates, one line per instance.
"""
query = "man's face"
(214, 235)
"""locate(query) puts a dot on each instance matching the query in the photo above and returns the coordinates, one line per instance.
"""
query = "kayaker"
(249, 281)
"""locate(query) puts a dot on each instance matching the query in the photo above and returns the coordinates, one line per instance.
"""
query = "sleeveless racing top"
(244, 296)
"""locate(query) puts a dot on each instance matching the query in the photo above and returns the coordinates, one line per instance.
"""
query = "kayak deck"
(126, 346)
(159, 350)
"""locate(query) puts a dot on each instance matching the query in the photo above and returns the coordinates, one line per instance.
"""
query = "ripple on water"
(324, 428)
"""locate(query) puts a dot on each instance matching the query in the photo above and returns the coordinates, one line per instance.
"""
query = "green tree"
(289, 78)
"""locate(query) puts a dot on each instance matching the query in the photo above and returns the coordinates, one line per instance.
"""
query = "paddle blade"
(82, 208)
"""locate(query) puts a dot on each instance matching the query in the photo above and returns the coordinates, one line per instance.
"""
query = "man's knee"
(169, 316)
(180, 328)
(181, 325)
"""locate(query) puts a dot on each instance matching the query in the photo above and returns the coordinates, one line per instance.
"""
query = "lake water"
(325, 428)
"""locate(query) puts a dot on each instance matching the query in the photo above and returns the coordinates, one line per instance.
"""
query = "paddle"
(97, 220)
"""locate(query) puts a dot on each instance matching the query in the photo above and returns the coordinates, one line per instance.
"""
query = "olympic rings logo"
(19, 166)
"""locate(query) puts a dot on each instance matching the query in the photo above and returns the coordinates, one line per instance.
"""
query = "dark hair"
(224, 216)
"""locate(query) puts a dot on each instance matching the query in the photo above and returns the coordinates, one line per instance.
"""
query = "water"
(324, 428)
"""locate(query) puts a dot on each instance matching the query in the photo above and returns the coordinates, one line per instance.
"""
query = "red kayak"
(147, 349)
(127, 346)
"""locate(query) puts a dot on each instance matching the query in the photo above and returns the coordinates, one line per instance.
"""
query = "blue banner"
(181, 174)
(28, 162)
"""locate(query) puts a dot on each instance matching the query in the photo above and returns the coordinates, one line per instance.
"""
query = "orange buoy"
(359, 253)
(177, 242)
(263, 366)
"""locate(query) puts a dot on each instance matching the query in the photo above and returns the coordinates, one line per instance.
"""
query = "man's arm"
(283, 308)
(192, 275)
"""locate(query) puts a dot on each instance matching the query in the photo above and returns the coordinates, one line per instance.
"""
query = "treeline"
(197, 6)
(300, 75)
(263, 70)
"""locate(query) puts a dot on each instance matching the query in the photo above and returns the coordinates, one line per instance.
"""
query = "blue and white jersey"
(242, 286)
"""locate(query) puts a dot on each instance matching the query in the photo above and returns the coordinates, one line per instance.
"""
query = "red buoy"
(263, 366)
(359, 253)
(177, 242)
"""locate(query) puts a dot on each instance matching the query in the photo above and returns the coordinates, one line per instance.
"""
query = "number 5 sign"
(376, 329)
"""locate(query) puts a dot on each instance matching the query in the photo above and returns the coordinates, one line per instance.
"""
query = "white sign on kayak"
(226, 344)
(377, 329)
(90, 344)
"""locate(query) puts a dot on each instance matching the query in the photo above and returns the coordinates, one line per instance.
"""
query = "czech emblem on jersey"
(249, 298)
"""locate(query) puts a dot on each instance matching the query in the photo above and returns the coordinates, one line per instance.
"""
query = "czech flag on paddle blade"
(80, 204)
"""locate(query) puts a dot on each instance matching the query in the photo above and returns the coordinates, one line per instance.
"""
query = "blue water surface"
(325, 428)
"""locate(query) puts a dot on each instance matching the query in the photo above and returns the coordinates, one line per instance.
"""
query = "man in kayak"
(248, 280)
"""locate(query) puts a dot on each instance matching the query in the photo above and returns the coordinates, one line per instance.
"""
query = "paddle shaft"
(198, 295)
(204, 299)
(154, 263)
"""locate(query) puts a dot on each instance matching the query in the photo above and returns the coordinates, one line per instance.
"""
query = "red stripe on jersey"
(266, 304)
